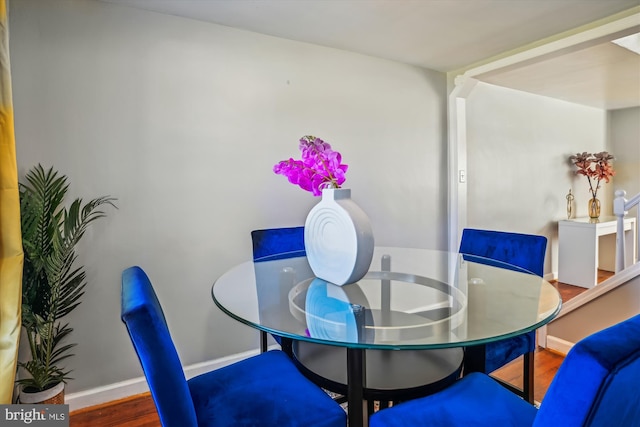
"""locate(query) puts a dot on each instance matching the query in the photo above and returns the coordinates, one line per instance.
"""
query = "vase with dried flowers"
(596, 167)
(338, 237)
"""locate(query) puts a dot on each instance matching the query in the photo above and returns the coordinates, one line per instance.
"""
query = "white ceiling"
(443, 35)
(604, 76)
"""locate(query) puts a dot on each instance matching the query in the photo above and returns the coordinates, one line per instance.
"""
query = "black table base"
(377, 375)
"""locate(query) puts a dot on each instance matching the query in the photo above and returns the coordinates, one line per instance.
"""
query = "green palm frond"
(52, 285)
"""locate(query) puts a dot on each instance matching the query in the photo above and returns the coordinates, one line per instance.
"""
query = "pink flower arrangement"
(320, 166)
(596, 167)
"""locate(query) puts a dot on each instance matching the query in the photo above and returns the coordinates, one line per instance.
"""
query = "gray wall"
(625, 145)
(613, 307)
(182, 121)
(518, 168)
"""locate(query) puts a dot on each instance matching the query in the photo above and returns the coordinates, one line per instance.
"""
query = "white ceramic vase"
(338, 238)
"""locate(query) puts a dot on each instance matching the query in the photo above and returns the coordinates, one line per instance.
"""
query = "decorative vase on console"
(596, 167)
(338, 235)
(594, 208)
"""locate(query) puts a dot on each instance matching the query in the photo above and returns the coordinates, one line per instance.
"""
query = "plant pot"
(338, 238)
(50, 396)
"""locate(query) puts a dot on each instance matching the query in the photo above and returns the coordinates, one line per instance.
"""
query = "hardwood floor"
(139, 410)
(134, 411)
(546, 365)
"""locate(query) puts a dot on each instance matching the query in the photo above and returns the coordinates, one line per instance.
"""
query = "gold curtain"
(11, 256)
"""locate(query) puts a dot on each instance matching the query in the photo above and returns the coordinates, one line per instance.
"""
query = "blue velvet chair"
(264, 390)
(271, 244)
(526, 252)
(283, 243)
(278, 243)
(596, 386)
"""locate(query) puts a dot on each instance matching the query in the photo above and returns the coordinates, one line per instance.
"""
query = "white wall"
(182, 121)
(518, 168)
(610, 308)
(625, 145)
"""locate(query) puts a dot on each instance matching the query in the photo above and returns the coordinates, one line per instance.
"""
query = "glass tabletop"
(410, 298)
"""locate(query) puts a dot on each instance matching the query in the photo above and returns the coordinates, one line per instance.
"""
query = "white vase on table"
(338, 238)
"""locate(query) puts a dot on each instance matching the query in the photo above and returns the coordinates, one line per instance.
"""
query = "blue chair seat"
(499, 353)
(596, 386)
(264, 390)
(475, 400)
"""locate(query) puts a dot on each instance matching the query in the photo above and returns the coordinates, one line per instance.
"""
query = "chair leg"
(528, 377)
(263, 342)
(371, 407)
(287, 346)
(526, 392)
(474, 359)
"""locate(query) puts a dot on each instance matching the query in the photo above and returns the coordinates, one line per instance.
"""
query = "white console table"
(586, 245)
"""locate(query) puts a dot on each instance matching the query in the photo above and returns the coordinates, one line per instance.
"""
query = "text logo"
(34, 415)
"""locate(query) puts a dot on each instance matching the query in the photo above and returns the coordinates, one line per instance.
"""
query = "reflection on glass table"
(411, 299)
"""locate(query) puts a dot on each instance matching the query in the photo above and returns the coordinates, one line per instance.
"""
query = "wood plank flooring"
(139, 410)
(134, 411)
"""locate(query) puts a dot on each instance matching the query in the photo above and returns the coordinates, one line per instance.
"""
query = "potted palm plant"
(52, 285)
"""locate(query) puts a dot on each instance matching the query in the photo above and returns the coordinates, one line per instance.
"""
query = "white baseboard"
(122, 389)
(559, 345)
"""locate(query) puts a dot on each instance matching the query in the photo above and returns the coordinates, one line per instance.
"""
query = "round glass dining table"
(411, 299)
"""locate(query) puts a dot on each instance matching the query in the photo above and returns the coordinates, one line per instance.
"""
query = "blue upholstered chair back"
(597, 384)
(278, 243)
(525, 252)
(271, 244)
(143, 316)
(522, 250)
